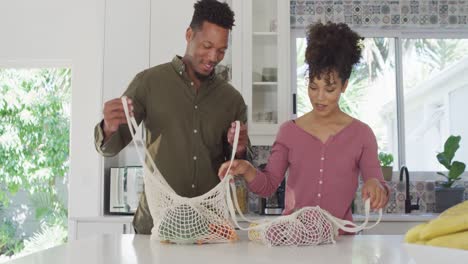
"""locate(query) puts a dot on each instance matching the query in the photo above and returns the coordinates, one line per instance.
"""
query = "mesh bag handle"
(136, 132)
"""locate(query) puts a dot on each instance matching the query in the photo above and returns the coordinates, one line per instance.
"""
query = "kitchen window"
(411, 88)
(35, 108)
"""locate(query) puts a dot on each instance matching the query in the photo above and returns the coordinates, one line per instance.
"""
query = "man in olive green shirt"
(187, 107)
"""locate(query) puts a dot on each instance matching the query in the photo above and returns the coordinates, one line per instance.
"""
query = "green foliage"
(455, 168)
(355, 92)
(9, 244)
(386, 159)
(34, 138)
(437, 54)
(49, 236)
(432, 56)
(50, 208)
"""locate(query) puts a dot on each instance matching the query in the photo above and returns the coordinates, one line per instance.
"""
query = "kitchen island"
(140, 249)
(391, 224)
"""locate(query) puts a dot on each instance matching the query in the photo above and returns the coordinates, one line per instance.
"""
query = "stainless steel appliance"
(273, 205)
(125, 185)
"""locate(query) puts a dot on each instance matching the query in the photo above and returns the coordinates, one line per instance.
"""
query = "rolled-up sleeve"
(111, 147)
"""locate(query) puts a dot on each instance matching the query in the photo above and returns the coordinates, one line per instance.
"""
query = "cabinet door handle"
(294, 104)
(124, 229)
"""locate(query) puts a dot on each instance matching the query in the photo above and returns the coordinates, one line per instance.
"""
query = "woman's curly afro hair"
(214, 12)
(331, 47)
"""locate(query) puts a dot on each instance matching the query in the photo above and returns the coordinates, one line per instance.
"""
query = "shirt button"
(193, 186)
(194, 157)
(191, 83)
(320, 182)
(196, 106)
(319, 195)
(322, 158)
(321, 170)
(180, 72)
(195, 131)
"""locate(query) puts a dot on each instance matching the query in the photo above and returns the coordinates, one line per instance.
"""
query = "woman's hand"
(377, 193)
(238, 167)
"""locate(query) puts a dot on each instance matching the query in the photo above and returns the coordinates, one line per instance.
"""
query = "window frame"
(397, 35)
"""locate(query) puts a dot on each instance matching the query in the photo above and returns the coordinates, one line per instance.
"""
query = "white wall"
(64, 33)
(169, 21)
(458, 124)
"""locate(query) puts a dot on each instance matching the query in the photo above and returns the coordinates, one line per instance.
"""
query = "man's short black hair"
(214, 12)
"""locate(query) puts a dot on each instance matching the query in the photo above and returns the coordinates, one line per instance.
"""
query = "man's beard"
(202, 77)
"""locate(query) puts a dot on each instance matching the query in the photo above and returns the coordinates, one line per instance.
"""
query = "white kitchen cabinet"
(125, 49)
(84, 227)
(126, 44)
(265, 67)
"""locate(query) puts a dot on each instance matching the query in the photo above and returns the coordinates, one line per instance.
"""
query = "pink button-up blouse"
(323, 174)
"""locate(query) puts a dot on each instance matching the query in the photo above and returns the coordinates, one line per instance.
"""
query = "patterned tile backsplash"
(260, 155)
(381, 14)
(424, 190)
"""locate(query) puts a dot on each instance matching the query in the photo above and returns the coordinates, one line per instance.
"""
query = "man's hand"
(377, 193)
(114, 116)
(243, 139)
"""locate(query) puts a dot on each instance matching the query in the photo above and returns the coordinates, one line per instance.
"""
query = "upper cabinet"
(265, 67)
(126, 44)
(169, 21)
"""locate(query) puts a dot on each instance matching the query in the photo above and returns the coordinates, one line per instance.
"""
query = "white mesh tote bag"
(177, 219)
(308, 226)
(211, 218)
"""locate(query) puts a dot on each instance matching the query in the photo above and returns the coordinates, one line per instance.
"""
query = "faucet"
(408, 206)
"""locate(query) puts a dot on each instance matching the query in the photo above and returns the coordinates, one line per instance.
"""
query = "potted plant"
(447, 195)
(386, 160)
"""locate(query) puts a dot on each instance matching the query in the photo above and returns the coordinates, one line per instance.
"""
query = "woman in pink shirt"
(325, 150)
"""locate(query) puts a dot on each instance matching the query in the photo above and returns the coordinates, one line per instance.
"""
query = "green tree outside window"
(34, 149)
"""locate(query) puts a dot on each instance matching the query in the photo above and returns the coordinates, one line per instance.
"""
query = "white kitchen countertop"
(117, 249)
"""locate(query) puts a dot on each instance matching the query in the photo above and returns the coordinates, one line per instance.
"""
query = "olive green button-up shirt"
(192, 128)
